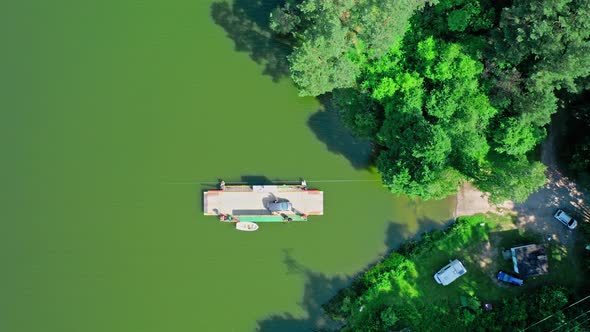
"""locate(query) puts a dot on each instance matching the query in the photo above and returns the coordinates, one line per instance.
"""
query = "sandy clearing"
(536, 213)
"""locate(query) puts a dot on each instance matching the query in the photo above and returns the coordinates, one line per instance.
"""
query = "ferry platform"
(258, 203)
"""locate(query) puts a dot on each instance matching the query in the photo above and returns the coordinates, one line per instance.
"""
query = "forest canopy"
(333, 38)
(460, 91)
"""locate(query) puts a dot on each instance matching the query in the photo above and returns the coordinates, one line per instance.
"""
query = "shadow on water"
(255, 180)
(319, 288)
(395, 235)
(398, 235)
(328, 128)
(263, 180)
(246, 22)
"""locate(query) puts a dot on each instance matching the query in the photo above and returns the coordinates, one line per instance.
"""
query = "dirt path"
(536, 214)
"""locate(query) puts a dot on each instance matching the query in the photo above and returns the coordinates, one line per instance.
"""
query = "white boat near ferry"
(246, 226)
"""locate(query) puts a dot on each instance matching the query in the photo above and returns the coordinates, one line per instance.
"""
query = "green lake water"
(113, 115)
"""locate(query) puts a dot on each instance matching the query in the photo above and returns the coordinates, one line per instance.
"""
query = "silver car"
(450, 272)
(565, 219)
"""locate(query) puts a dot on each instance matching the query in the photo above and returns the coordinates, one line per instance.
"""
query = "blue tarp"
(509, 279)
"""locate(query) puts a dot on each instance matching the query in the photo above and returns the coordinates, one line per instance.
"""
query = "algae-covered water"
(115, 115)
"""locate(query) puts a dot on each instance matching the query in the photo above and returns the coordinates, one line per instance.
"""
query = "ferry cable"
(567, 322)
(278, 181)
(580, 323)
(544, 319)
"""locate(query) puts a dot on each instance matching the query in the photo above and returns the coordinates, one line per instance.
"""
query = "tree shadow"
(395, 235)
(319, 288)
(255, 180)
(560, 192)
(246, 22)
(328, 128)
(428, 224)
(511, 238)
(536, 213)
(264, 180)
(399, 238)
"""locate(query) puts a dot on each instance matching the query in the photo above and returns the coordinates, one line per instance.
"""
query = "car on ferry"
(277, 206)
(565, 219)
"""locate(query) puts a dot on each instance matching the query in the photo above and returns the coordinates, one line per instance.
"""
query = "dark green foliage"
(389, 317)
(324, 57)
(539, 47)
(399, 292)
(464, 95)
(519, 312)
(284, 19)
(576, 150)
(548, 301)
(425, 110)
(514, 312)
(320, 62)
(549, 38)
(379, 24)
(584, 229)
(581, 157)
(460, 16)
(535, 106)
(425, 103)
(366, 121)
(334, 38)
(398, 276)
(515, 136)
(511, 178)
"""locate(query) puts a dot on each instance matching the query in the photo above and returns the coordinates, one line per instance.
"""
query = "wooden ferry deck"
(251, 202)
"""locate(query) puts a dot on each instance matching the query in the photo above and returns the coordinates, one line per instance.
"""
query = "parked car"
(450, 272)
(279, 206)
(565, 219)
(509, 279)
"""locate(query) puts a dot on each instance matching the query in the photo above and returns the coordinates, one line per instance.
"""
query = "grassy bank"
(400, 291)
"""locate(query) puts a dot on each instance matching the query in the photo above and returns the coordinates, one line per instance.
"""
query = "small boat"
(246, 226)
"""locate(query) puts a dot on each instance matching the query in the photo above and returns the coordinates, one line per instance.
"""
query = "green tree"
(581, 157)
(389, 317)
(547, 301)
(365, 121)
(550, 38)
(379, 24)
(516, 136)
(333, 39)
(511, 178)
(284, 20)
(425, 110)
(457, 98)
(513, 313)
(321, 64)
(454, 19)
(540, 46)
